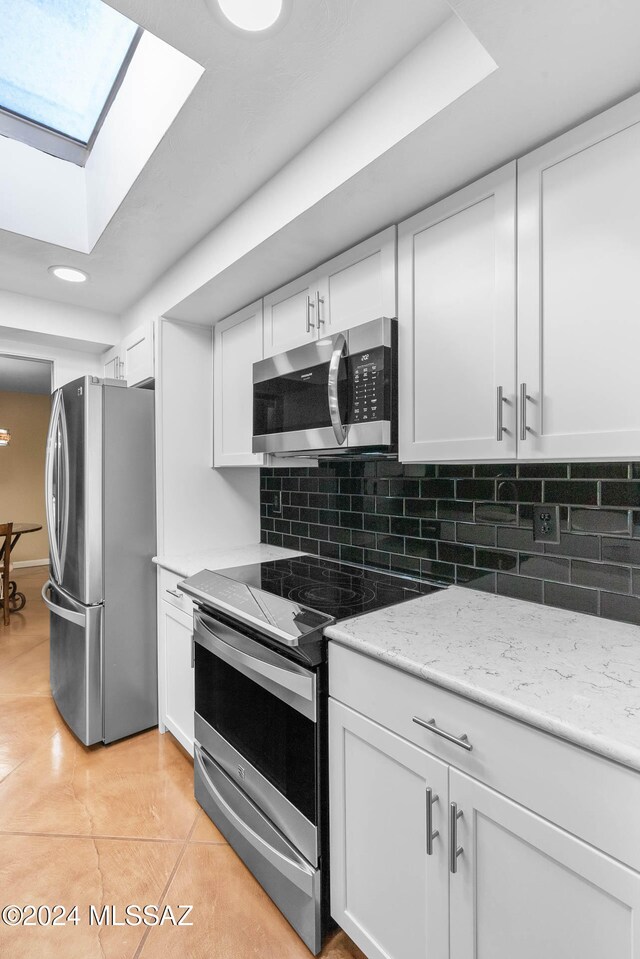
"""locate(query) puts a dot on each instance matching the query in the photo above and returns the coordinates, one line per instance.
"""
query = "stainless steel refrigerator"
(100, 498)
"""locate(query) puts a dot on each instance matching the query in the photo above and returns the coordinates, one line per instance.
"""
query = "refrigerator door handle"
(49, 503)
(65, 486)
(79, 619)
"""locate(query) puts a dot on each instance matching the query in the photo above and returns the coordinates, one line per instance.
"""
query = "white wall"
(198, 507)
(42, 196)
(442, 68)
(72, 327)
(67, 364)
(157, 84)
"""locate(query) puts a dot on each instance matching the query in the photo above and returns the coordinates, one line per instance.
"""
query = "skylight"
(61, 62)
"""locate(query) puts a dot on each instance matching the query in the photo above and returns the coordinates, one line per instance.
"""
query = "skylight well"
(61, 64)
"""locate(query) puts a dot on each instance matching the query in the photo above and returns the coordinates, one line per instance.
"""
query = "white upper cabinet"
(359, 285)
(137, 355)
(578, 290)
(289, 315)
(457, 325)
(525, 888)
(352, 288)
(237, 346)
(132, 359)
(112, 364)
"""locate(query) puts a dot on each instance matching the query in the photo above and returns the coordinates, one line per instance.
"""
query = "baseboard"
(29, 562)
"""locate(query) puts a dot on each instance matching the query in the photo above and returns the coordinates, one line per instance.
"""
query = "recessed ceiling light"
(252, 15)
(69, 273)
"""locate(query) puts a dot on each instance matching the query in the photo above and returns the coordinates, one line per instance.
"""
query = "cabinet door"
(456, 318)
(237, 346)
(526, 888)
(359, 285)
(176, 662)
(137, 355)
(289, 315)
(578, 290)
(387, 891)
(112, 364)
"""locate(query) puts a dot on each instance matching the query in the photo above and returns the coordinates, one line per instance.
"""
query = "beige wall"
(22, 468)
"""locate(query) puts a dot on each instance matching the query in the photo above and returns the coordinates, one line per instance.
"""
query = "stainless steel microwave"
(335, 396)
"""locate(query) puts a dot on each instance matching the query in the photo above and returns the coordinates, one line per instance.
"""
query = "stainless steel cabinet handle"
(310, 306)
(454, 849)
(339, 349)
(524, 396)
(176, 593)
(500, 429)
(319, 300)
(431, 835)
(462, 741)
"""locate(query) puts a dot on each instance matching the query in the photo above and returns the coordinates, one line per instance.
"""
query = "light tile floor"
(114, 826)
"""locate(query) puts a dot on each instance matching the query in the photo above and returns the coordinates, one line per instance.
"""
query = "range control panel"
(368, 386)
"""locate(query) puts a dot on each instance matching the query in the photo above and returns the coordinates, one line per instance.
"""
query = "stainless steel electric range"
(261, 715)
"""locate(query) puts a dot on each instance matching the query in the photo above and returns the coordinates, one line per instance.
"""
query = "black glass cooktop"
(290, 598)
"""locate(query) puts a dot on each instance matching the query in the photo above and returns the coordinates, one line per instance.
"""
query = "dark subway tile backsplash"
(471, 525)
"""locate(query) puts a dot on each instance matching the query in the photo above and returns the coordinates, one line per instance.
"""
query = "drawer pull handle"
(175, 592)
(462, 741)
(431, 835)
(454, 849)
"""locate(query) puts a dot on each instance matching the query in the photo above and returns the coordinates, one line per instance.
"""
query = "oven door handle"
(294, 866)
(339, 351)
(293, 678)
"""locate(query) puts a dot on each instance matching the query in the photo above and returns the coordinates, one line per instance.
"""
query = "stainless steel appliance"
(100, 499)
(261, 715)
(335, 396)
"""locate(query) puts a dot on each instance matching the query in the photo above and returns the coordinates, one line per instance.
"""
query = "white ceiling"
(260, 102)
(24, 376)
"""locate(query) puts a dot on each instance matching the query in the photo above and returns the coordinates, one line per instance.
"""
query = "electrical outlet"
(546, 523)
(276, 502)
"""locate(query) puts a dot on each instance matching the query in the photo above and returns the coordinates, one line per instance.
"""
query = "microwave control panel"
(368, 386)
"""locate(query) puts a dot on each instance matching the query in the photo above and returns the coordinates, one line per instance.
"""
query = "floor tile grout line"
(167, 885)
(24, 652)
(23, 761)
(67, 835)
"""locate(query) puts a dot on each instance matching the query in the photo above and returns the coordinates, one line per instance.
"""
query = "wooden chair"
(6, 530)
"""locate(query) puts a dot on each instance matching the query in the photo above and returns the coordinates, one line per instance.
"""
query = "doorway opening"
(25, 405)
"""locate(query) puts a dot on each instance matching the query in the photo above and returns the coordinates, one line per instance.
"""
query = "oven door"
(256, 716)
(300, 398)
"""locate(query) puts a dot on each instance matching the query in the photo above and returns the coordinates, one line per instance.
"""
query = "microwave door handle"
(339, 350)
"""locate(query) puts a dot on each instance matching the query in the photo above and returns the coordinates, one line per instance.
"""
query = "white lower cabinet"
(528, 889)
(178, 680)
(388, 886)
(175, 661)
(520, 887)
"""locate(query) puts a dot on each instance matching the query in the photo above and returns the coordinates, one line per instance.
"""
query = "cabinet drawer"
(170, 593)
(580, 791)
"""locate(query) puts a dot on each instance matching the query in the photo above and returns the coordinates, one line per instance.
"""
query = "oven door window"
(279, 741)
(297, 401)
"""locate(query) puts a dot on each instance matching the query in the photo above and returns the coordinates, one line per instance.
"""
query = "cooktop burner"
(291, 598)
(336, 589)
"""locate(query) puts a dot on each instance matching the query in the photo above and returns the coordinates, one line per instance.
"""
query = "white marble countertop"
(186, 564)
(569, 674)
